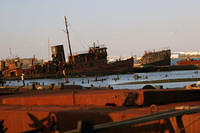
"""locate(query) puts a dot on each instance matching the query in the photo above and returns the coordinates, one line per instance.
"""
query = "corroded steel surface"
(73, 97)
(188, 62)
(21, 118)
(156, 58)
(58, 54)
(103, 97)
(148, 97)
(31, 109)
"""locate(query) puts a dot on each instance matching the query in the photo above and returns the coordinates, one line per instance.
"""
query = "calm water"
(109, 80)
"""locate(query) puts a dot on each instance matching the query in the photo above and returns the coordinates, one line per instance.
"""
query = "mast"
(68, 40)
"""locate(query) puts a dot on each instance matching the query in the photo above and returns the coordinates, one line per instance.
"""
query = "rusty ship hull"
(95, 62)
(61, 110)
(188, 62)
(117, 67)
(158, 58)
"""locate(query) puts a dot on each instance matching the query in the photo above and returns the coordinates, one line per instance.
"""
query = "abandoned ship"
(188, 61)
(93, 62)
(155, 58)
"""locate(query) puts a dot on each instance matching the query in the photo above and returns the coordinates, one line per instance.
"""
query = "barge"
(76, 110)
(188, 61)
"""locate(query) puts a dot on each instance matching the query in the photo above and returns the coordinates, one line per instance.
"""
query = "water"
(105, 81)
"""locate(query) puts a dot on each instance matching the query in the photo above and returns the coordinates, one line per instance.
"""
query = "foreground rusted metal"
(2, 128)
(177, 112)
(61, 110)
(102, 97)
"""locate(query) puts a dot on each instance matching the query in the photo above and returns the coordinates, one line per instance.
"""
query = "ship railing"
(158, 50)
(178, 112)
(100, 46)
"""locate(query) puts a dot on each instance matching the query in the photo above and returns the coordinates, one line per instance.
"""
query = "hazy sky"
(126, 27)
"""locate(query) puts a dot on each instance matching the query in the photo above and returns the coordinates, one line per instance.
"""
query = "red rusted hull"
(30, 110)
(105, 68)
(189, 62)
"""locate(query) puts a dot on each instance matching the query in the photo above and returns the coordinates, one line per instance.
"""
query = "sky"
(125, 27)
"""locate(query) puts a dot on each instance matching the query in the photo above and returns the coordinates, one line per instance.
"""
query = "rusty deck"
(34, 109)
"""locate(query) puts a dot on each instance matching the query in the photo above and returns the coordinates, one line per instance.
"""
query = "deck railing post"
(180, 124)
(170, 126)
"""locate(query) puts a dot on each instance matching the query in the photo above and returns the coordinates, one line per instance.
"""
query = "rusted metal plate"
(97, 98)
(68, 106)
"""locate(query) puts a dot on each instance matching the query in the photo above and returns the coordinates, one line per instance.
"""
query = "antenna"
(68, 39)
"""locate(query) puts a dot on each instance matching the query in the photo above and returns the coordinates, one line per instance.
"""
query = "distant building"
(194, 54)
(174, 56)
